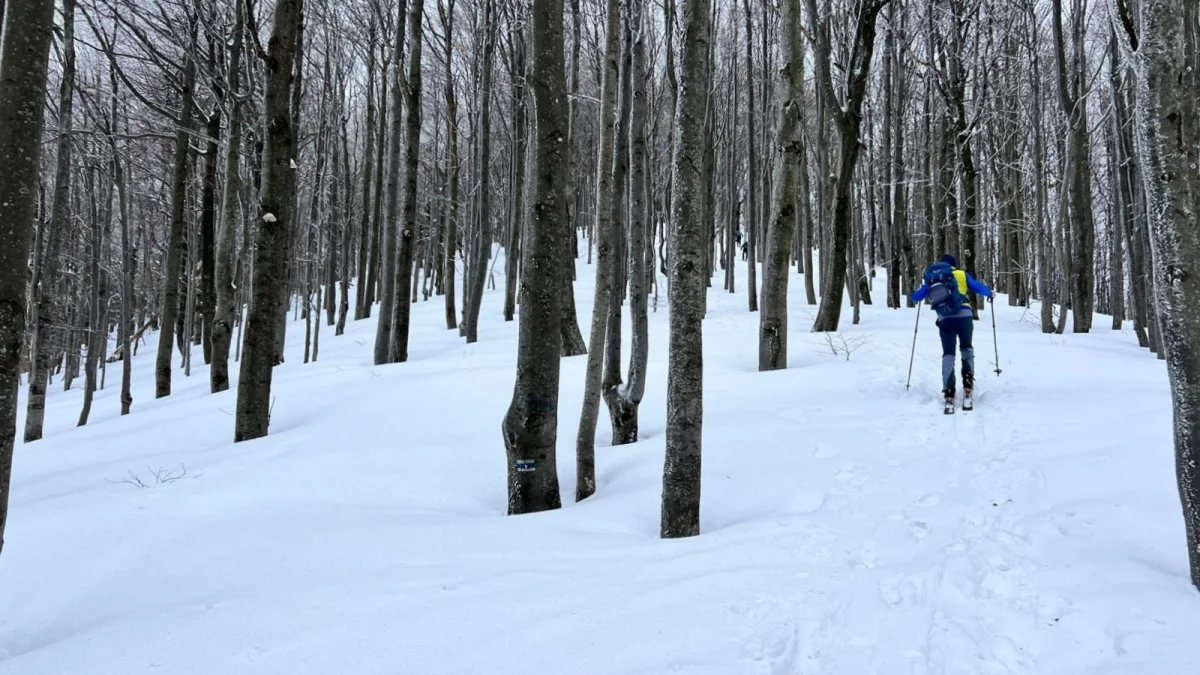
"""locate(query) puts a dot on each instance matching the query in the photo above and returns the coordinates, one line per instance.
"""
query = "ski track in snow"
(848, 526)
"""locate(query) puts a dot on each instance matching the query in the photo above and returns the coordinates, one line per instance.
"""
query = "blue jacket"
(966, 282)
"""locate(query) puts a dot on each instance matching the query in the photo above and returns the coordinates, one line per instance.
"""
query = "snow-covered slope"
(849, 528)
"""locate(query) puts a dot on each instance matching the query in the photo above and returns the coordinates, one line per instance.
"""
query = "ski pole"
(908, 385)
(995, 342)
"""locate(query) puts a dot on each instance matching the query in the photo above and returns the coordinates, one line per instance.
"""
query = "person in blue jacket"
(947, 289)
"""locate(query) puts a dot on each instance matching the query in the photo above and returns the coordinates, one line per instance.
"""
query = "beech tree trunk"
(687, 271)
(276, 212)
(176, 238)
(24, 64)
(606, 188)
(226, 309)
(47, 309)
(789, 149)
(1165, 44)
(530, 427)
(402, 307)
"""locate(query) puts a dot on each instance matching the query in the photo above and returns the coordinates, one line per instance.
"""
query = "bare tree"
(687, 269)
(1164, 40)
(788, 151)
(530, 427)
(24, 65)
(276, 213)
(398, 346)
(846, 112)
(47, 309)
(606, 196)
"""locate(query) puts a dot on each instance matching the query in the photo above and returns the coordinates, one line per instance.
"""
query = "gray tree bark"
(226, 309)
(530, 427)
(606, 188)
(687, 272)
(789, 149)
(847, 116)
(752, 185)
(478, 268)
(401, 306)
(1165, 43)
(446, 12)
(624, 401)
(276, 212)
(391, 216)
(24, 64)
(47, 309)
(175, 240)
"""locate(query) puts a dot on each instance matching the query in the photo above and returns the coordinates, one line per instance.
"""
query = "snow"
(849, 528)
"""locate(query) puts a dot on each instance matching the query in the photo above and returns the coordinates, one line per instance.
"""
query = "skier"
(946, 286)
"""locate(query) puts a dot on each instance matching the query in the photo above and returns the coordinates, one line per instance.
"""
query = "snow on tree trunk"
(1164, 41)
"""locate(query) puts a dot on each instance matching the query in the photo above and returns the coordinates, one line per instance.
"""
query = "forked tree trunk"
(391, 217)
(478, 269)
(24, 63)
(624, 401)
(226, 311)
(572, 338)
(847, 116)
(276, 212)
(606, 188)
(685, 369)
(530, 427)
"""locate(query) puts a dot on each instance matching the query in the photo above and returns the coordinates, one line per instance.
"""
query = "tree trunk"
(1166, 115)
(530, 427)
(685, 369)
(478, 269)
(401, 307)
(47, 309)
(847, 116)
(446, 12)
(175, 240)
(391, 218)
(789, 149)
(752, 171)
(97, 332)
(606, 189)
(623, 405)
(611, 381)
(276, 212)
(227, 311)
(24, 63)
(572, 338)
(516, 221)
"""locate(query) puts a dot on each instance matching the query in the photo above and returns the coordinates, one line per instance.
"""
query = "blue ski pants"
(957, 329)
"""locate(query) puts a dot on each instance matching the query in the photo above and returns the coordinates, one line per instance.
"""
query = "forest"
(224, 172)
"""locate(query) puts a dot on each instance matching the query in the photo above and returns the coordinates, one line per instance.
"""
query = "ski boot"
(948, 395)
(968, 393)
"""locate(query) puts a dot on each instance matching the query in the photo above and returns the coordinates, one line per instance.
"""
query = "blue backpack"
(943, 296)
